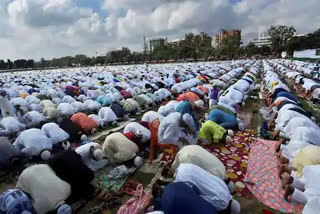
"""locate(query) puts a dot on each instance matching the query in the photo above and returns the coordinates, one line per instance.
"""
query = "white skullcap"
(235, 207)
(138, 134)
(45, 155)
(98, 154)
(199, 103)
(138, 161)
(230, 133)
(228, 139)
(66, 145)
(83, 137)
(64, 209)
(187, 118)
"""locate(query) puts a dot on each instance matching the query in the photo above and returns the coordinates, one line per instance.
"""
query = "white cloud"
(54, 28)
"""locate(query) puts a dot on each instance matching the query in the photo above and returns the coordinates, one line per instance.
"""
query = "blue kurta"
(222, 118)
(185, 108)
(179, 198)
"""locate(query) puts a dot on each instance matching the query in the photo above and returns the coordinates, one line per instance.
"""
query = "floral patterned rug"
(235, 158)
(262, 176)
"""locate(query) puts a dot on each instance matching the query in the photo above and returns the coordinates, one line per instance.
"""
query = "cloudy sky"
(55, 28)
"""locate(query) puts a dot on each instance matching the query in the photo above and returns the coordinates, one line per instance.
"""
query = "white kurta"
(118, 148)
(134, 127)
(12, 125)
(150, 116)
(84, 152)
(55, 133)
(170, 130)
(46, 189)
(32, 142)
(296, 122)
(307, 134)
(211, 188)
(107, 115)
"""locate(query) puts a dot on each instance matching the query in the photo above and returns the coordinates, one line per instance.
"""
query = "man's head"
(138, 136)
(96, 153)
(45, 155)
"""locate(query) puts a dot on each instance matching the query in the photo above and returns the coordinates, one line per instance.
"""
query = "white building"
(263, 39)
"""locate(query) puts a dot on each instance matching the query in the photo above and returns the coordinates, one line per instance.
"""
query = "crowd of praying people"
(299, 134)
(48, 119)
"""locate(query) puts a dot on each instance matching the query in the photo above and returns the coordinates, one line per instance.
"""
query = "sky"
(56, 28)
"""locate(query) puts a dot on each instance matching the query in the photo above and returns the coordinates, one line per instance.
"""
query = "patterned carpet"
(262, 176)
(235, 158)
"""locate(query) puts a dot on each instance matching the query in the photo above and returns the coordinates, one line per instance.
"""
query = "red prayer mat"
(235, 158)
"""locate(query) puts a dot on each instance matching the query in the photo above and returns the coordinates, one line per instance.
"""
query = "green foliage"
(280, 35)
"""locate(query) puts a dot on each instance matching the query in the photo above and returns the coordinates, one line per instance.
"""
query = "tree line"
(191, 47)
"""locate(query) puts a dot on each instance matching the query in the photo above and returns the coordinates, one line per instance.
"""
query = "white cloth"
(312, 185)
(68, 99)
(150, 116)
(118, 148)
(170, 130)
(33, 119)
(12, 125)
(32, 99)
(66, 109)
(285, 116)
(307, 134)
(46, 189)
(78, 106)
(169, 108)
(6, 107)
(84, 152)
(92, 105)
(32, 142)
(134, 127)
(312, 207)
(47, 103)
(55, 133)
(197, 155)
(296, 122)
(290, 150)
(211, 188)
(107, 115)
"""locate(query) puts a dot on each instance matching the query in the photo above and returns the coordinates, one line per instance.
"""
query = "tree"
(2, 65)
(280, 35)
(9, 64)
(229, 47)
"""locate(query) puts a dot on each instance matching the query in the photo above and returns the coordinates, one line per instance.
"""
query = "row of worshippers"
(299, 149)
(222, 118)
(90, 155)
(303, 81)
(40, 142)
(53, 105)
(35, 194)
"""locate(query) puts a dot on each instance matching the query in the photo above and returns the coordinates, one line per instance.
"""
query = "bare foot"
(283, 168)
(286, 179)
(283, 160)
(288, 192)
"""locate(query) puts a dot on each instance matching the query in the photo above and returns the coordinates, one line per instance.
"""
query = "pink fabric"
(262, 176)
(137, 204)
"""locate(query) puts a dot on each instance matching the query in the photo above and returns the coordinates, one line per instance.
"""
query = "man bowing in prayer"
(177, 129)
